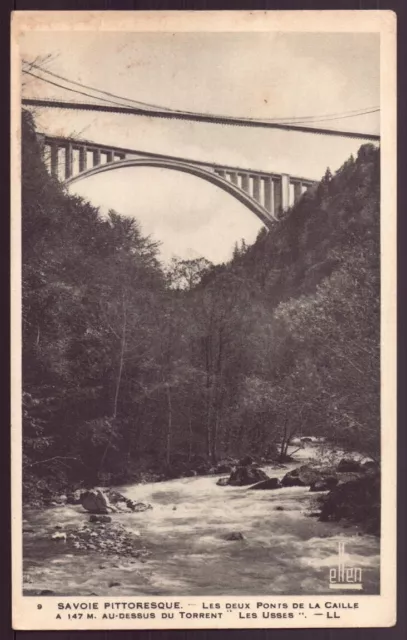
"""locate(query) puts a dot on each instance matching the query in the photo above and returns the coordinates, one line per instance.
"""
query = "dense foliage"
(129, 366)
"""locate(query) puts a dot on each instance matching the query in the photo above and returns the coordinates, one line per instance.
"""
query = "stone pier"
(269, 203)
(285, 191)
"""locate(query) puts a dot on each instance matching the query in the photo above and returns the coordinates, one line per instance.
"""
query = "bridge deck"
(223, 120)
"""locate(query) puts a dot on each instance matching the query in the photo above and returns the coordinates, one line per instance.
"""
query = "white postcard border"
(32, 613)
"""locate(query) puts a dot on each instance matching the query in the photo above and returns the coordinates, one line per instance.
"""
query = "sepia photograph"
(200, 258)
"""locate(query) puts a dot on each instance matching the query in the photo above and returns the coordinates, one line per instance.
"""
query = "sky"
(257, 75)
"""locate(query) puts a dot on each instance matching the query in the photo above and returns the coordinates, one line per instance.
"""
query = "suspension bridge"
(265, 193)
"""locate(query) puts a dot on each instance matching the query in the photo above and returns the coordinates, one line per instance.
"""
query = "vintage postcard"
(204, 319)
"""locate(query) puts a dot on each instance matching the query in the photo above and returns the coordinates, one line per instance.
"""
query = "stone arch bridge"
(265, 194)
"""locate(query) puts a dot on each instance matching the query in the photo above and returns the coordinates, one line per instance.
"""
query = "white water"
(283, 552)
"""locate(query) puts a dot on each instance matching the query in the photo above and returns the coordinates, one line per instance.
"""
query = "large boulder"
(95, 501)
(347, 477)
(114, 497)
(349, 465)
(357, 501)
(223, 482)
(223, 466)
(271, 483)
(118, 502)
(301, 477)
(324, 484)
(242, 476)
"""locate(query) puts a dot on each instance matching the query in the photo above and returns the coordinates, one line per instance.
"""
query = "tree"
(339, 329)
(187, 274)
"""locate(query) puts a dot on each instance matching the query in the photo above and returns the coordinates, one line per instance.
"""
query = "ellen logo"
(342, 577)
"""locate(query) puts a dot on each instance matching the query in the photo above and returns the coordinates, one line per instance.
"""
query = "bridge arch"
(265, 216)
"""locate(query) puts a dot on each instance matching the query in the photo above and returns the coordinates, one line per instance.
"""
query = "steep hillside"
(339, 215)
(318, 271)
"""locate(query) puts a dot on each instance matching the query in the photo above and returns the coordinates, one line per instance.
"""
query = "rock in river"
(114, 497)
(224, 466)
(59, 536)
(119, 502)
(233, 535)
(357, 501)
(301, 477)
(348, 464)
(271, 483)
(243, 476)
(138, 507)
(94, 501)
(324, 484)
(99, 519)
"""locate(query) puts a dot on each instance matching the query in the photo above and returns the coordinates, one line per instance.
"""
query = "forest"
(135, 369)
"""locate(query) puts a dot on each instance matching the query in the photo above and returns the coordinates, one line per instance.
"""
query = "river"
(284, 551)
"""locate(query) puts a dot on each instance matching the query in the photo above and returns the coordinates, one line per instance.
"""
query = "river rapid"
(284, 550)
